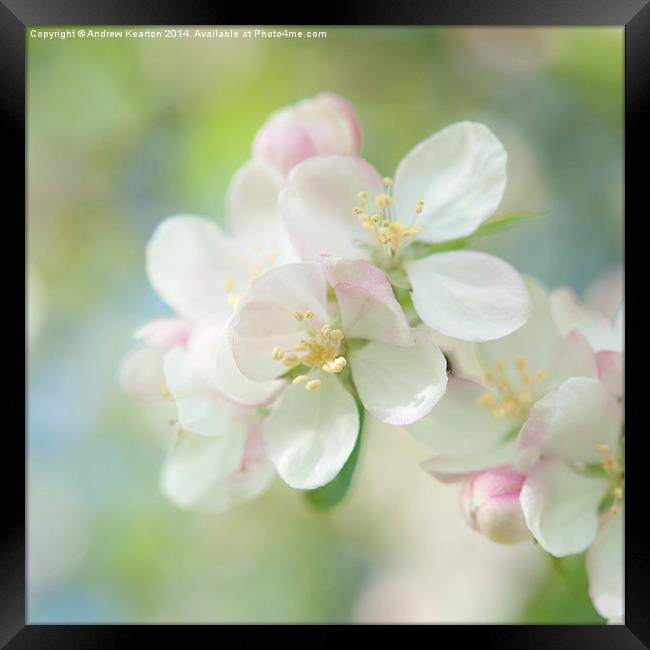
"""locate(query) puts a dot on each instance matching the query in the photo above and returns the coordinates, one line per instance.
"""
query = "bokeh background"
(122, 133)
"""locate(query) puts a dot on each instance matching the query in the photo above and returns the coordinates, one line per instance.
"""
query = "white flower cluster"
(328, 301)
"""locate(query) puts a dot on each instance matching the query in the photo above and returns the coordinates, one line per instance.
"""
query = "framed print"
(325, 324)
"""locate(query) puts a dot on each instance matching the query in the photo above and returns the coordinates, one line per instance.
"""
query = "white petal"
(468, 295)
(253, 209)
(457, 425)
(571, 315)
(311, 434)
(367, 302)
(605, 568)
(450, 468)
(459, 173)
(213, 474)
(188, 263)
(317, 205)
(561, 507)
(571, 420)
(400, 385)
(265, 317)
(141, 375)
(200, 409)
(234, 385)
(610, 371)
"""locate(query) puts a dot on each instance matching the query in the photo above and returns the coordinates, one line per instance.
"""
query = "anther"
(233, 299)
(291, 360)
(308, 314)
(336, 334)
(313, 385)
(229, 284)
(300, 379)
(542, 374)
(299, 315)
(277, 353)
(602, 448)
(387, 181)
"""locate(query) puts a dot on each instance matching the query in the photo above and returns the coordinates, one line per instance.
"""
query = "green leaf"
(492, 225)
(330, 495)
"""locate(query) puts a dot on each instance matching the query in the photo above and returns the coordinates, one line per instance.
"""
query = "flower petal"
(165, 332)
(366, 302)
(571, 421)
(605, 568)
(317, 203)
(468, 295)
(400, 385)
(458, 425)
(265, 318)
(451, 468)
(561, 507)
(460, 174)
(311, 434)
(141, 373)
(253, 209)
(214, 474)
(610, 371)
(200, 409)
(189, 261)
(571, 315)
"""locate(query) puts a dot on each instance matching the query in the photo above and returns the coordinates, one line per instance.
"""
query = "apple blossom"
(444, 189)
(326, 124)
(475, 425)
(490, 504)
(359, 339)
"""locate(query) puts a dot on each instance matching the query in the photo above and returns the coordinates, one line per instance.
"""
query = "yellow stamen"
(313, 385)
(229, 284)
(336, 334)
(387, 181)
(300, 379)
(277, 353)
(299, 315)
(542, 374)
(488, 376)
(308, 314)
(233, 299)
(291, 360)
(602, 448)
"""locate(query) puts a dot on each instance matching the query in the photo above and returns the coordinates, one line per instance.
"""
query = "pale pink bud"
(490, 504)
(324, 125)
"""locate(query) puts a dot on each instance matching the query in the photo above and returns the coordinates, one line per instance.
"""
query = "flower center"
(391, 234)
(318, 349)
(615, 473)
(510, 398)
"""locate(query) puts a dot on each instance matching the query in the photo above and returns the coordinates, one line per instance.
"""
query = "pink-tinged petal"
(451, 468)
(199, 408)
(265, 317)
(610, 371)
(400, 385)
(605, 568)
(459, 173)
(308, 128)
(253, 210)
(312, 433)
(575, 358)
(213, 474)
(569, 315)
(605, 293)
(458, 426)
(561, 507)
(141, 375)
(572, 421)
(189, 262)
(490, 505)
(468, 295)
(317, 203)
(165, 333)
(367, 303)
(346, 109)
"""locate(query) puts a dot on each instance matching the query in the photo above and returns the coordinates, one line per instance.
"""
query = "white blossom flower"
(286, 324)
(444, 189)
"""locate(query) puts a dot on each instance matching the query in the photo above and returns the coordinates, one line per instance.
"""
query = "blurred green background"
(122, 133)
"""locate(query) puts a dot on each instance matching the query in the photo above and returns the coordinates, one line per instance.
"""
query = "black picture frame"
(633, 15)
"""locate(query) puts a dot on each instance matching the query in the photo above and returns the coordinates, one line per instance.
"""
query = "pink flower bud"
(324, 125)
(490, 504)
